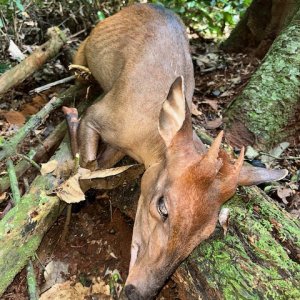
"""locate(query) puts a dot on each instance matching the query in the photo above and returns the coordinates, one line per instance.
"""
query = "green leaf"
(19, 5)
(100, 15)
(4, 67)
(1, 23)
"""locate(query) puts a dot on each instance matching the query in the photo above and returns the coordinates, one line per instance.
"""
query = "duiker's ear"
(254, 176)
(172, 114)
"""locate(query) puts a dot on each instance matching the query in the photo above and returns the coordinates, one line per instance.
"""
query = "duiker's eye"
(161, 208)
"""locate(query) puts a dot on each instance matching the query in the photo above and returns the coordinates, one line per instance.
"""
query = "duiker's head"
(180, 198)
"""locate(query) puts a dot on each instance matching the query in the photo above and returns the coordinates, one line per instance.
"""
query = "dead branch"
(23, 227)
(50, 85)
(33, 62)
(9, 147)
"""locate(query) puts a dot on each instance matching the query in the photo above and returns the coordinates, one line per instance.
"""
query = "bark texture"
(33, 62)
(261, 24)
(267, 111)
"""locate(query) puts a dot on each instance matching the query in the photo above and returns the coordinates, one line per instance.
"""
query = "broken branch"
(9, 147)
(33, 62)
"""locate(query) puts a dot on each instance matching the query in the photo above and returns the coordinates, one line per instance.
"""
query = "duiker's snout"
(132, 293)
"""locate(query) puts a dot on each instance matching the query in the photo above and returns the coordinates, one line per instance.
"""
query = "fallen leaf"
(251, 153)
(69, 291)
(216, 123)
(14, 117)
(195, 110)
(110, 178)
(275, 153)
(212, 103)
(70, 191)
(49, 167)
(224, 218)
(283, 193)
(53, 273)
(65, 169)
(15, 52)
(2, 196)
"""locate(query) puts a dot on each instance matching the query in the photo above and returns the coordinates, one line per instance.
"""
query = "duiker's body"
(138, 52)
(141, 59)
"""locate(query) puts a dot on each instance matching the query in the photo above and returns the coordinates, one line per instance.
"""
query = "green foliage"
(208, 16)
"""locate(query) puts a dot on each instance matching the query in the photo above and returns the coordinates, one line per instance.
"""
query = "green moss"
(266, 104)
(249, 263)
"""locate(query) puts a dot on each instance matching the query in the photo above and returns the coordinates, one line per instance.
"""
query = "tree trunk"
(268, 108)
(260, 25)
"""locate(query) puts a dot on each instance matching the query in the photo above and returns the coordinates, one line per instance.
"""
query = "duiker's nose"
(132, 293)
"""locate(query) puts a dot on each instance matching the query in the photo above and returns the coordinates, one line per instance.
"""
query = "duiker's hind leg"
(109, 157)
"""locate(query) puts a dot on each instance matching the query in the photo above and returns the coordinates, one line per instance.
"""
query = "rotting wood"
(33, 62)
(9, 147)
(23, 227)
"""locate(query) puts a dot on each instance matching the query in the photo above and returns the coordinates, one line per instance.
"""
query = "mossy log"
(33, 62)
(267, 111)
(257, 259)
(23, 227)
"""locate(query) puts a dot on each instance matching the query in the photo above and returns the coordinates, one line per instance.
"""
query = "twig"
(31, 282)
(13, 182)
(49, 85)
(9, 147)
(76, 34)
(48, 145)
(6, 210)
(280, 158)
(32, 162)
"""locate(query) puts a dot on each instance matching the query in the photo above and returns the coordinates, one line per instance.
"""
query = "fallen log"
(258, 258)
(49, 144)
(23, 227)
(33, 62)
(9, 147)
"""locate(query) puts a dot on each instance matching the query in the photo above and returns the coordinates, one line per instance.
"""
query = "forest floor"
(98, 243)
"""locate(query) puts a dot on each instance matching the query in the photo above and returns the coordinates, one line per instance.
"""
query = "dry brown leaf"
(110, 178)
(70, 191)
(2, 197)
(69, 291)
(224, 219)
(65, 169)
(283, 193)
(49, 167)
(195, 110)
(213, 124)
(14, 117)
(212, 103)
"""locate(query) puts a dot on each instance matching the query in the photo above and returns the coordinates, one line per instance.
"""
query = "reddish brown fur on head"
(180, 198)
